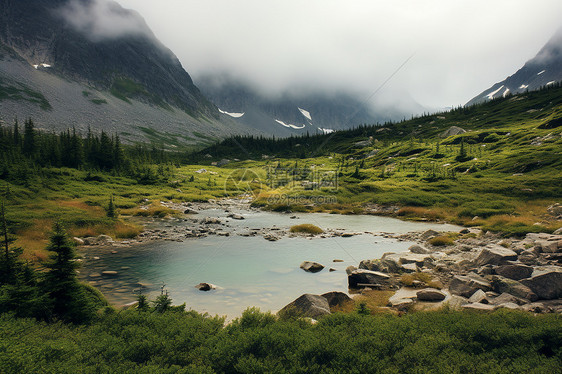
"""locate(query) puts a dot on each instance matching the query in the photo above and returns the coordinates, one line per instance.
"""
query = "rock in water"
(311, 267)
(205, 287)
(359, 277)
(308, 305)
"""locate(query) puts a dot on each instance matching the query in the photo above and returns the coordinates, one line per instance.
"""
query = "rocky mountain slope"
(542, 70)
(92, 63)
(296, 112)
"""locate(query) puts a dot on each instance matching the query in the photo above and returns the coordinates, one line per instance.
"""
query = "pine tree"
(29, 146)
(111, 212)
(61, 282)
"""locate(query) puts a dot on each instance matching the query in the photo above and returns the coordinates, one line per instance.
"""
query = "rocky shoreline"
(474, 270)
(478, 271)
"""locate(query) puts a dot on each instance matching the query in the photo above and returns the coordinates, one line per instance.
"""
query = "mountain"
(93, 63)
(543, 70)
(295, 113)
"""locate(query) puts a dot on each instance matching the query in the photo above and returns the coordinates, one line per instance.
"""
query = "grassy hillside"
(502, 173)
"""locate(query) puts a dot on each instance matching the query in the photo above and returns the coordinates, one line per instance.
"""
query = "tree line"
(25, 149)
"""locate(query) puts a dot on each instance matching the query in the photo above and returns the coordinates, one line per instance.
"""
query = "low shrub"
(307, 228)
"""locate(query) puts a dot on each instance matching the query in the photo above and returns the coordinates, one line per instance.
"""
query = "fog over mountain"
(458, 48)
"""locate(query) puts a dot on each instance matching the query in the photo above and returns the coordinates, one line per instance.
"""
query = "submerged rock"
(205, 287)
(311, 266)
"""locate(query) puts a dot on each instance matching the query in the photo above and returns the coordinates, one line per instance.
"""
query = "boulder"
(419, 249)
(429, 234)
(311, 267)
(451, 131)
(501, 284)
(478, 306)
(336, 298)
(509, 305)
(309, 305)
(236, 216)
(190, 211)
(409, 268)
(104, 239)
(350, 269)
(466, 285)
(548, 246)
(385, 265)
(413, 258)
(479, 297)
(515, 271)
(430, 294)
(546, 283)
(78, 241)
(456, 302)
(205, 287)
(507, 298)
(528, 257)
(91, 240)
(495, 255)
(361, 277)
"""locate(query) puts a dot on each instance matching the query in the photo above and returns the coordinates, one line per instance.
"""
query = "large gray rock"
(479, 297)
(495, 255)
(507, 298)
(516, 271)
(414, 258)
(466, 285)
(311, 267)
(456, 302)
(385, 265)
(479, 306)
(360, 277)
(429, 234)
(419, 249)
(308, 305)
(336, 298)
(546, 283)
(501, 284)
(430, 294)
(451, 131)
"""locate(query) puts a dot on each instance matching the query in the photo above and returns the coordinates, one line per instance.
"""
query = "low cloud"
(103, 19)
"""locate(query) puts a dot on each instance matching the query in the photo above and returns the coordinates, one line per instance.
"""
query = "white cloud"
(102, 19)
(461, 47)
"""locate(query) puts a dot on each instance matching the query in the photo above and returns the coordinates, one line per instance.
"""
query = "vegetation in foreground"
(185, 342)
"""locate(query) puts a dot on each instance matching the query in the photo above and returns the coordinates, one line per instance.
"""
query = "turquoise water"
(249, 271)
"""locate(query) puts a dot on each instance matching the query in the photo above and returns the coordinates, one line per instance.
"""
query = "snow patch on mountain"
(551, 82)
(306, 114)
(505, 92)
(540, 72)
(289, 125)
(491, 95)
(233, 115)
(326, 131)
(523, 86)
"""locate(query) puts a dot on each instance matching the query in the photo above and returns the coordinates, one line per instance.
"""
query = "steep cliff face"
(542, 70)
(58, 36)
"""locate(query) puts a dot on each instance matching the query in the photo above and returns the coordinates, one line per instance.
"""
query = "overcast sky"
(459, 48)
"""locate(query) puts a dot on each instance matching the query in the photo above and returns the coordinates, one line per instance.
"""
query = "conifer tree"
(61, 282)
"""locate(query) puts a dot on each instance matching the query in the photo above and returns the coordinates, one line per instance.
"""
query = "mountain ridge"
(542, 70)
